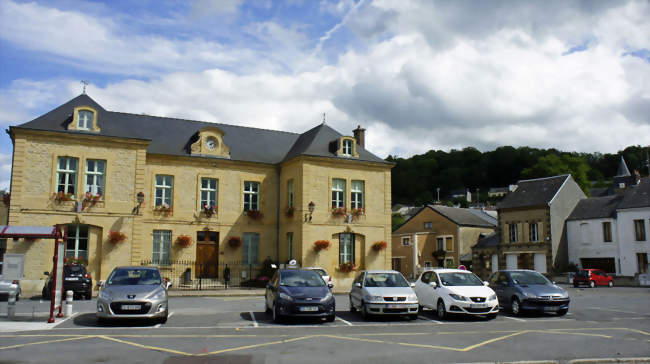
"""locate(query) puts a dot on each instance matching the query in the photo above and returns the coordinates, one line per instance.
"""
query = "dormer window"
(347, 148)
(85, 119)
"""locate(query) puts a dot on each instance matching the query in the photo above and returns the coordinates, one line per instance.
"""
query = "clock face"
(211, 143)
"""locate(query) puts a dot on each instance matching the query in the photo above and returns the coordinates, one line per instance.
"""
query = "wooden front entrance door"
(207, 254)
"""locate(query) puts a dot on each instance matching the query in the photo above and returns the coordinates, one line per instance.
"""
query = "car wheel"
(420, 308)
(491, 316)
(163, 319)
(610, 284)
(101, 321)
(562, 312)
(267, 310)
(89, 295)
(331, 318)
(277, 318)
(592, 284)
(441, 311)
(363, 310)
(515, 306)
(413, 317)
(45, 294)
(575, 285)
(352, 308)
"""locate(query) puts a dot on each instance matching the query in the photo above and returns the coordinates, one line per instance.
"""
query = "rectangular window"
(356, 191)
(95, 176)
(66, 175)
(512, 229)
(440, 244)
(406, 241)
(532, 232)
(346, 248)
(209, 192)
(164, 190)
(251, 196)
(290, 245)
(347, 147)
(162, 244)
(449, 244)
(639, 230)
(338, 193)
(642, 262)
(77, 243)
(428, 225)
(85, 119)
(290, 194)
(250, 248)
(607, 232)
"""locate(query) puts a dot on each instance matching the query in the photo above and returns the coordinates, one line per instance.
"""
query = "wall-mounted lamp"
(311, 207)
(136, 210)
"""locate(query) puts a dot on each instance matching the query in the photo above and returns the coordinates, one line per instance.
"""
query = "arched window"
(346, 248)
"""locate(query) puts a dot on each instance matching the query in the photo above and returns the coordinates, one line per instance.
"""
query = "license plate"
(71, 279)
(394, 306)
(478, 305)
(552, 308)
(130, 307)
(308, 308)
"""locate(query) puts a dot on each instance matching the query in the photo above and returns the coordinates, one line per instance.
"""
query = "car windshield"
(322, 272)
(582, 273)
(525, 278)
(385, 280)
(301, 278)
(133, 277)
(460, 279)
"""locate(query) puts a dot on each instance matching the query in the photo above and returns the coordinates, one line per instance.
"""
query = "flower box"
(209, 210)
(90, 200)
(339, 211)
(163, 209)
(116, 237)
(439, 253)
(254, 214)
(321, 245)
(234, 242)
(71, 260)
(289, 211)
(379, 246)
(358, 212)
(184, 240)
(59, 197)
(347, 267)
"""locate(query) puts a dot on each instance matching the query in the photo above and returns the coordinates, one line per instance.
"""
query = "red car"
(592, 278)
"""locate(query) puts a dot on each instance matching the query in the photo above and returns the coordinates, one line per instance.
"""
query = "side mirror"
(46, 273)
(553, 282)
(412, 284)
(433, 284)
(101, 283)
(357, 285)
(168, 284)
(330, 285)
(486, 283)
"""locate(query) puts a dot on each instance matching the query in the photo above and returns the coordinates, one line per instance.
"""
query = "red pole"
(57, 234)
(60, 314)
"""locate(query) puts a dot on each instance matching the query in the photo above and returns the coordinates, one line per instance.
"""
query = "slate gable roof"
(596, 207)
(489, 241)
(461, 216)
(534, 192)
(637, 196)
(170, 136)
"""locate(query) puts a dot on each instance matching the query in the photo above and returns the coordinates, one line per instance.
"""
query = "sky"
(417, 75)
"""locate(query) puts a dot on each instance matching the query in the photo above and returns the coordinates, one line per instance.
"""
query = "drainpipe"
(277, 220)
(415, 255)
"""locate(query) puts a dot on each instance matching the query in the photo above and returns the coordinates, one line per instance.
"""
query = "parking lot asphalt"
(603, 323)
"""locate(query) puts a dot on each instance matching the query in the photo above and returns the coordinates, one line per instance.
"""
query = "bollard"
(68, 303)
(11, 305)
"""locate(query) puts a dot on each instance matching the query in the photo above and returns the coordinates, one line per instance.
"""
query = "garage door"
(606, 264)
(511, 261)
(495, 263)
(540, 263)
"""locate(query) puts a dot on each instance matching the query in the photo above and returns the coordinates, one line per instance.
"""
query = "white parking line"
(607, 309)
(430, 319)
(346, 322)
(253, 318)
(514, 318)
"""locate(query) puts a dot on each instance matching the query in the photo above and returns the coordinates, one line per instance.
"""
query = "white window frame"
(533, 232)
(69, 173)
(97, 177)
(166, 187)
(86, 122)
(513, 233)
(338, 193)
(252, 192)
(250, 248)
(348, 146)
(209, 192)
(161, 247)
(428, 225)
(346, 248)
(357, 190)
(406, 241)
(78, 240)
(290, 193)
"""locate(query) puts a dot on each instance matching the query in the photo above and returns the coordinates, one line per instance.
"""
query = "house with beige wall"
(131, 188)
(437, 236)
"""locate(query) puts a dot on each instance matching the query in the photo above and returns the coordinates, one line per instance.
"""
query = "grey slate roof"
(490, 241)
(485, 216)
(533, 192)
(463, 217)
(637, 196)
(170, 136)
(596, 207)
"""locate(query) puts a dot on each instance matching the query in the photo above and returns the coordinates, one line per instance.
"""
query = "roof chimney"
(360, 136)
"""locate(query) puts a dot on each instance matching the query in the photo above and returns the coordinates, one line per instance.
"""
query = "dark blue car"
(299, 292)
(528, 290)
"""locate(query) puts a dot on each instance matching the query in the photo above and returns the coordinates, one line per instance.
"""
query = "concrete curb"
(610, 360)
(219, 293)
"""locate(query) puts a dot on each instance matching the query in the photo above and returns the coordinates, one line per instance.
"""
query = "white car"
(322, 272)
(383, 292)
(456, 291)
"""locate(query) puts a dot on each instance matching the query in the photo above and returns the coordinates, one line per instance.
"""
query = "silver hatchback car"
(133, 293)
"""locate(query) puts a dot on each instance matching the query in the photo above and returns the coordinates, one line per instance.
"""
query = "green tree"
(553, 165)
(397, 220)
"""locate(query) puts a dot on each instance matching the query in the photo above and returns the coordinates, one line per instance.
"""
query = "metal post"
(11, 305)
(68, 303)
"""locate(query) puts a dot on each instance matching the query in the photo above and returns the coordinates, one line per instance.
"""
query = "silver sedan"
(133, 293)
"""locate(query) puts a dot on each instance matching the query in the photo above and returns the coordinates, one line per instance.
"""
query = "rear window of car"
(582, 273)
(74, 270)
(322, 272)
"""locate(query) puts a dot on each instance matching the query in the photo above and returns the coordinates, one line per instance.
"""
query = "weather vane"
(85, 83)
(323, 118)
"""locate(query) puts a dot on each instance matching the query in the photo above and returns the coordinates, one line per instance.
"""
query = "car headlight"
(105, 296)
(412, 297)
(492, 298)
(369, 298)
(530, 295)
(285, 296)
(458, 297)
(158, 295)
(327, 297)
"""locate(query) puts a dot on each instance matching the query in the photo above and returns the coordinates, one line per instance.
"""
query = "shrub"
(234, 242)
(116, 237)
(184, 240)
(379, 245)
(320, 245)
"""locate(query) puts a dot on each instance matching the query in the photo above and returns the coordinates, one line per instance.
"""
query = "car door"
(436, 291)
(601, 280)
(500, 283)
(356, 292)
(424, 290)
